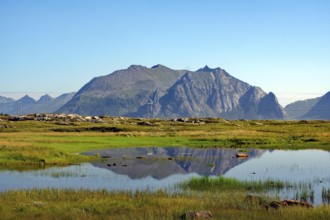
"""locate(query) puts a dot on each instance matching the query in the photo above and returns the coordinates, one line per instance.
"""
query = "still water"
(163, 168)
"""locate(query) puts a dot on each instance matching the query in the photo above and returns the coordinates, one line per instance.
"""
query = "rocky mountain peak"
(26, 100)
(158, 66)
(45, 99)
(136, 67)
(206, 68)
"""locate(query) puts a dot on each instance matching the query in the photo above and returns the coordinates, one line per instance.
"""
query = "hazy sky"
(57, 46)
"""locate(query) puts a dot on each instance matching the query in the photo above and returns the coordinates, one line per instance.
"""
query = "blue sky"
(57, 46)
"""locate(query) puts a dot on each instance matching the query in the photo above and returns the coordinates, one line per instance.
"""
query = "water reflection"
(163, 168)
(161, 163)
(306, 169)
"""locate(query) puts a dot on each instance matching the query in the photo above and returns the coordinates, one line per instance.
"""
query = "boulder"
(196, 215)
(242, 155)
(287, 203)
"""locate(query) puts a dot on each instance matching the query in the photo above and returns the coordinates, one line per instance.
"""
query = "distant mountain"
(298, 109)
(27, 105)
(4, 100)
(321, 110)
(162, 92)
(26, 100)
(45, 99)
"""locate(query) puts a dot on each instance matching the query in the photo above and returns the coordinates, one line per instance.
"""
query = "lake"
(156, 168)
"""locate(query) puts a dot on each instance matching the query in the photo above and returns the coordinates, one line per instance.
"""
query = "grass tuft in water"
(326, 195)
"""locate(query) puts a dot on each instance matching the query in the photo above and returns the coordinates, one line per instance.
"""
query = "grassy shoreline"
(27, 142)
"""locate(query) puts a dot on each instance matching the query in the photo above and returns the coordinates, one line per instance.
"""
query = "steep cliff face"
(205, 93)
(249, 102)
(269, 108)
(215, 93)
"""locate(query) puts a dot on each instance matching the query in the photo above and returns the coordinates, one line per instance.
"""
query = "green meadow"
(24, 144)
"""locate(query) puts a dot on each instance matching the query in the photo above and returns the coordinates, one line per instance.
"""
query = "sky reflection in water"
(162, 168)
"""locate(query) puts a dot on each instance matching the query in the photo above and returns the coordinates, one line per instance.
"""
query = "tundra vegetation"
(29, 144)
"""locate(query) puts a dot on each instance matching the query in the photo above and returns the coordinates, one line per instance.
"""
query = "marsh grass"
(303, 191)
(326, 196)
(25, 142)
(101, 204)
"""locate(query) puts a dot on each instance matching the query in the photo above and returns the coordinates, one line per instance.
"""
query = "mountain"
(298, 109)
(121, 92)
(45, 99)
(26, 100)
(4, 100)
(27, 105)
(162, 92)
(212, 93)
(321, 110)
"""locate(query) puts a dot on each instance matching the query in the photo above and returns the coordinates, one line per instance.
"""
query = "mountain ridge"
(321, 110)
(162, 92)
(159, 91)
(28, 105)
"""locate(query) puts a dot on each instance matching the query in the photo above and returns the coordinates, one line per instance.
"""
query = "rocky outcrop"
(56, 117)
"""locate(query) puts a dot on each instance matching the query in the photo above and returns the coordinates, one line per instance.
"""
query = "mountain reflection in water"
(160, 163)
(164, 168)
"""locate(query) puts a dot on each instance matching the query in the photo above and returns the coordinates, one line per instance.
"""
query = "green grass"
(304, 191)
(27, 142)
(24, 144)
(326, 196)
(101, 204)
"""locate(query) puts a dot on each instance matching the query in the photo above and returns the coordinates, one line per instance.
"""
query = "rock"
(298, 203)
(287, 203)
(182, 119)
(196, 215)
(145, 123)
(242, 155)
(56, 117)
